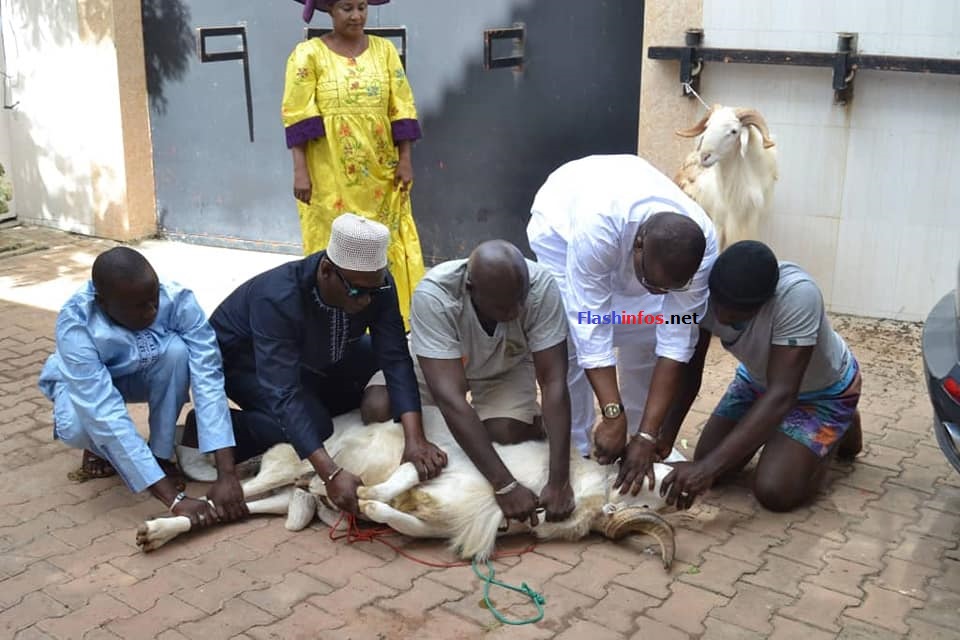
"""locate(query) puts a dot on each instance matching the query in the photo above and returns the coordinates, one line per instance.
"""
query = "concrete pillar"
(663, 107)
(138, 217)
(79, 139)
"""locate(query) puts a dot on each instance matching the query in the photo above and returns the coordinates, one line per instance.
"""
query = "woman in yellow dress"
(350, 122)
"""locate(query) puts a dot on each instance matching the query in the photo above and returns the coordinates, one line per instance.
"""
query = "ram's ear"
(744, 141)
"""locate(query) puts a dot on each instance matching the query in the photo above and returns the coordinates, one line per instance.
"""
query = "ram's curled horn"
(695, 130)
(753, 117)
(640, 520)
(700, 127)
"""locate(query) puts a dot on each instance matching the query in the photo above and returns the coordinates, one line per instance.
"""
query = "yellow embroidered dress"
(350, 112)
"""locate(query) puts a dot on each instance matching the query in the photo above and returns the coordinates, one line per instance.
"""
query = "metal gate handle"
(515, 33)
(203, 33)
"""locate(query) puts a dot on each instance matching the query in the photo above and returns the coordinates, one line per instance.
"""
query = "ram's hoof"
(303, 506)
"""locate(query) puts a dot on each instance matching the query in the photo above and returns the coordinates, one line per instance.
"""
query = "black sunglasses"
(356, 292)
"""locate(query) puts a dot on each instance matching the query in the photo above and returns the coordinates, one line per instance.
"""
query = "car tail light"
(952, 387)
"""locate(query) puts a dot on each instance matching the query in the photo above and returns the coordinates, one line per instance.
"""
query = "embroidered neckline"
(317, 299)
(148, 351)
(339, 326)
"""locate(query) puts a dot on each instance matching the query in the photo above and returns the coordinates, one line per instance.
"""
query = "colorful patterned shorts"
(817, 421)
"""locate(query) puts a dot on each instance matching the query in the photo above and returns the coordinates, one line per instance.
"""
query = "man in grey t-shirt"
(795, 392)
(494, 325)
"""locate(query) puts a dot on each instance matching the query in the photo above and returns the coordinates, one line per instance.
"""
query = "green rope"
(488, 580)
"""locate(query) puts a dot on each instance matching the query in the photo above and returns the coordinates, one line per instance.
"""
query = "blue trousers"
(165, 388)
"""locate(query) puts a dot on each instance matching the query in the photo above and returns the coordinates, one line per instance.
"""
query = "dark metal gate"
(506, 90)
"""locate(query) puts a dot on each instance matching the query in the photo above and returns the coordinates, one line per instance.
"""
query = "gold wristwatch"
(612, 410)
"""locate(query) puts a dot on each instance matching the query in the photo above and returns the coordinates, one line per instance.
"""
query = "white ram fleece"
(736, 193)
(737, 190)
(475, 516)
(460, 500)
(372, 451)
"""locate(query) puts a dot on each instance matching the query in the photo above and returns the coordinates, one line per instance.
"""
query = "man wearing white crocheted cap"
(358, 244)
(296, 353)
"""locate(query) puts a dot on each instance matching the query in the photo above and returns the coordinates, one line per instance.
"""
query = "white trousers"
(635, 346)
(635, 363)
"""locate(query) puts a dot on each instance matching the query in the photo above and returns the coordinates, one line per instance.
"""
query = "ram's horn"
(753, 117)
(640, 520)
(700, 127)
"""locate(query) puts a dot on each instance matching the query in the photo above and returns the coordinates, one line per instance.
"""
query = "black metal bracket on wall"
(205, 56)
(516, 35)
(391, 33)
(845, 61)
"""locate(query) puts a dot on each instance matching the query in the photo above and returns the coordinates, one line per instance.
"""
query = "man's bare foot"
(852, 442)
(92, 467)
(375, 405)
(538, 428)
(512, 431)
(190, 437)
(172, 471)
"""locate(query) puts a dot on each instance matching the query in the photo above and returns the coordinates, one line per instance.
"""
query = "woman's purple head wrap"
(309, 6)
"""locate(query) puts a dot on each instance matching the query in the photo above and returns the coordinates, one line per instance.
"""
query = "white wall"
(869, 194)
(65, 137)
(6, 156)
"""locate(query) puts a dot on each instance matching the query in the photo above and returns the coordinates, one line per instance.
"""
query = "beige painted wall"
(865, 199)
(79, 140)
(663, 107)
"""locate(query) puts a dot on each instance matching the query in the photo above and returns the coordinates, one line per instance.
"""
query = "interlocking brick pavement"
(875, 557)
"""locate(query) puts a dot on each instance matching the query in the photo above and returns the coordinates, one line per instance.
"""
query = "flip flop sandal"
(92, 467)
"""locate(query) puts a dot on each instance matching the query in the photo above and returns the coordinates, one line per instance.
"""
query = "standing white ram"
(732, 172)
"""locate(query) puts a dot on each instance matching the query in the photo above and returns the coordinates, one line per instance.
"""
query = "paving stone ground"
(875, 557)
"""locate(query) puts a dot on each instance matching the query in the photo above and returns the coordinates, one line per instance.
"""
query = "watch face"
(611, 411)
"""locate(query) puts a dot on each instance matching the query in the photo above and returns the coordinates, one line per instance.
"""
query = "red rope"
(354, 534)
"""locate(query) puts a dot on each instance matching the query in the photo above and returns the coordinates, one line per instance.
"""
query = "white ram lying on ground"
(732, 172)
(458, 505)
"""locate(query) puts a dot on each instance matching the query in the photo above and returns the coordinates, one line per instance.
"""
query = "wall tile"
(867, 265)
(811, 163)
(888, 164)
(928, 258)
(928, 18)
(793, 95)
(809, 241)
(894, 27)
